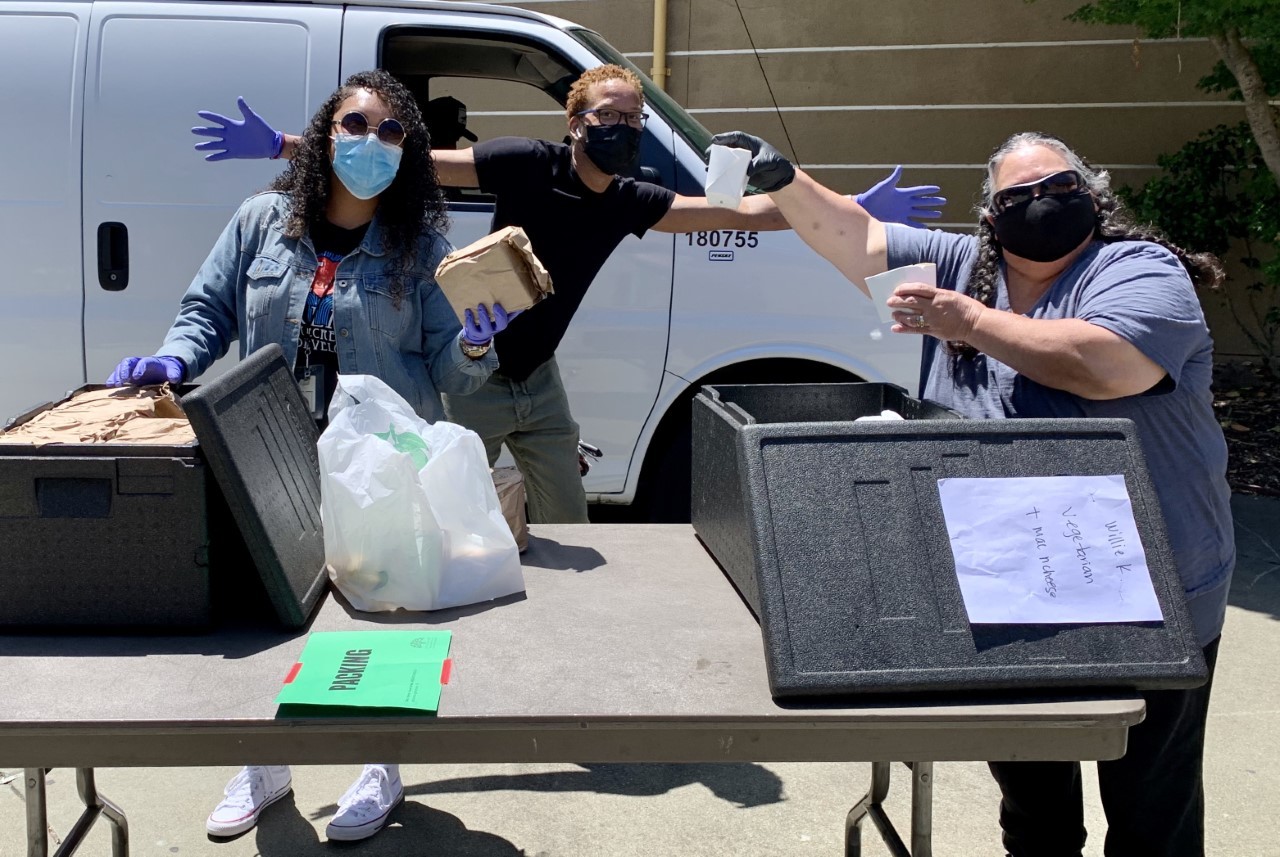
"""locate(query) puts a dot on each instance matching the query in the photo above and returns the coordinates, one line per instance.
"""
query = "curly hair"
(412, 205)
(577, 101)
(1114, 223)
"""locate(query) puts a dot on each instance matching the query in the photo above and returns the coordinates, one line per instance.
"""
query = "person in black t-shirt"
(576, 209)
(574, 202)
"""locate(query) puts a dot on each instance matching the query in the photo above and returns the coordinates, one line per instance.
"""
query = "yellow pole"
(659, 72)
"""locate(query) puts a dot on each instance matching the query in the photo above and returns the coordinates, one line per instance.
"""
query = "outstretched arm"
(456, 167)
(884, 201)
(252, 138)
(695, 214)
(839, 229)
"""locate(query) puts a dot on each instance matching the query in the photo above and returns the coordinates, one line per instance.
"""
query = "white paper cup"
(727, 176)
(882, 285)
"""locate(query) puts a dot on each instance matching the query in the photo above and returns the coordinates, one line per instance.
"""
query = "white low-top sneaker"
(251, 791)
(367, 805)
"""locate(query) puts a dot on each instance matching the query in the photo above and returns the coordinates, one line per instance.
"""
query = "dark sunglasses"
(390, 131)
(1067, 181)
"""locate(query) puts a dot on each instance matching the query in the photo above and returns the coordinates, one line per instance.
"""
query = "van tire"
(664, 494)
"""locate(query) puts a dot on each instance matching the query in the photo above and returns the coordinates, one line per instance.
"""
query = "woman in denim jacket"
(336, 263)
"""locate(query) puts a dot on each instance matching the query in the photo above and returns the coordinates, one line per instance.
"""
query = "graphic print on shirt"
(317, 315)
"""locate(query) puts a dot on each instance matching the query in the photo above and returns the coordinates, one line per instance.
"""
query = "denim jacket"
(254, 284)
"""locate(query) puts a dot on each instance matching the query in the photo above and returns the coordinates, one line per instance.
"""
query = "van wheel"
(664, 493)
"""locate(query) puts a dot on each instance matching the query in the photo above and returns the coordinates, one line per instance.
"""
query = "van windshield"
(686, 126)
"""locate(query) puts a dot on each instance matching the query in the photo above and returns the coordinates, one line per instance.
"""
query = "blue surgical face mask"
(366, 166)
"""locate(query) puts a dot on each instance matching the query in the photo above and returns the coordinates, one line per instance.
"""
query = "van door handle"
(113, 256)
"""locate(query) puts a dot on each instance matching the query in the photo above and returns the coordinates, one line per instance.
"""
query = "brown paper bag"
(499, 268)
(509, 483)
(141, 415)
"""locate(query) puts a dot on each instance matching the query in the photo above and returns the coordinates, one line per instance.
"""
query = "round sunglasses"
(355, 123)
(1065, 182)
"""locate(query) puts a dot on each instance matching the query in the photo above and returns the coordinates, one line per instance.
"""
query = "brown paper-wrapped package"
(499, 268)
(510, 485)
(119, 415)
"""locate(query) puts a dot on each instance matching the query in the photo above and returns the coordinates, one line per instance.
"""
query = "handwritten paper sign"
(1048, 549)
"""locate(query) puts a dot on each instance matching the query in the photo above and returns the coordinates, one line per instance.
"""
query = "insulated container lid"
(259, 439)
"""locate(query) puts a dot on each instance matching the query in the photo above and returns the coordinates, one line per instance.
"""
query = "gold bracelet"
(475, 352)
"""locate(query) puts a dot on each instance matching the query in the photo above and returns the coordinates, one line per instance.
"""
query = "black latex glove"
(768, 170)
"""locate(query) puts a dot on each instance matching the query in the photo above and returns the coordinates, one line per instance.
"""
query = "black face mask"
(1048, 227)
(614, 149)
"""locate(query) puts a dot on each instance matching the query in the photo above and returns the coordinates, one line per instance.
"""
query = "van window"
(493, 108)
(698, 137)
(497, 108)
(509, 87)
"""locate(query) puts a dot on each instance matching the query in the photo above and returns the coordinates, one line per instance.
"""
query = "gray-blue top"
(1139, 291)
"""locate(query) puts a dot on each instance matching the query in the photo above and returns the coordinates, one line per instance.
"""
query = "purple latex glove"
(251, 138)
(887, 202)
(479, 327)
(141, 371)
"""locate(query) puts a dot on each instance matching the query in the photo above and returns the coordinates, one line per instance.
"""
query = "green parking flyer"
(367, 673)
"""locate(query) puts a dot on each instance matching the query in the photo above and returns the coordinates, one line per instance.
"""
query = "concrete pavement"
(775, 809)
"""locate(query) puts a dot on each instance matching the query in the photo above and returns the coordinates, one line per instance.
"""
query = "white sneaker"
(251, 791)
(365, 807)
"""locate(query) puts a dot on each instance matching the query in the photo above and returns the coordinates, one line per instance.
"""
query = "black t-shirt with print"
(572, 229)
(317, 345)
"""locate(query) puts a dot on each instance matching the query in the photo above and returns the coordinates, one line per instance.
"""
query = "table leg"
(922, 809)
(94, 805)
(37, 817)
(871, 806)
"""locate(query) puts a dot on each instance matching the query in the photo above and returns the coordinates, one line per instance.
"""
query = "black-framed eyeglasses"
(609, 116)
(390, 131)
(1067, 181)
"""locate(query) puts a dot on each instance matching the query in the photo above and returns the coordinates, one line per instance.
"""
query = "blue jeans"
(532, 418)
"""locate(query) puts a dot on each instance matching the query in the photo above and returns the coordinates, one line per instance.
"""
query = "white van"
(106, 210)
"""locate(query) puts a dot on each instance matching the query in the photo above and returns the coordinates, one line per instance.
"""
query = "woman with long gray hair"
(1060, 306)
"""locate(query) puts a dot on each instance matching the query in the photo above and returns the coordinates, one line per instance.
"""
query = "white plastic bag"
(411, 517)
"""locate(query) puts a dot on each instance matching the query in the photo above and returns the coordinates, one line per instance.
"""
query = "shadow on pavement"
(567, 557)
(414, 829)
(743, 785)
(1256, 584)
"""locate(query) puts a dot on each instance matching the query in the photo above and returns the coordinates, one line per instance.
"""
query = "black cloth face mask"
(614, 149)
(1047, 227)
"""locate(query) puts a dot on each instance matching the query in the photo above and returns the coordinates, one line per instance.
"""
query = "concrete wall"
(932, 84)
